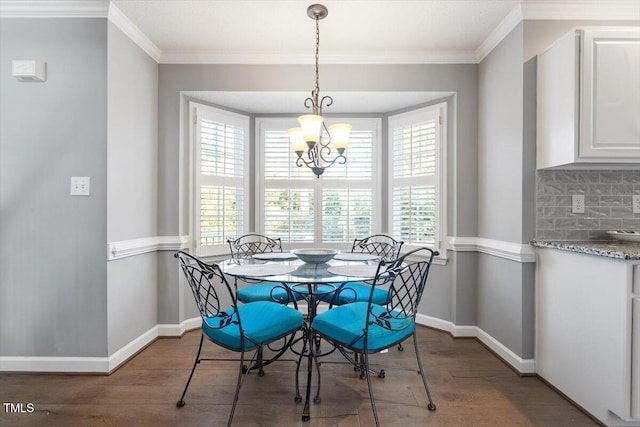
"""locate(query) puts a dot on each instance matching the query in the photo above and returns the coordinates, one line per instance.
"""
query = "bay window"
(416, 176)
(292, 204)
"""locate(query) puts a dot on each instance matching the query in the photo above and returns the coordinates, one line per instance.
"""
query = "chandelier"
(306, 140)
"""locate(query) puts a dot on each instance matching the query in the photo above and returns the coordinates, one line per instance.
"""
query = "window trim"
(374, 123)
(440, 110)
(196, 110)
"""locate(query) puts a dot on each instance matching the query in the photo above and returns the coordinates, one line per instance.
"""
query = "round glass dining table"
(312, 281)
(289, 270)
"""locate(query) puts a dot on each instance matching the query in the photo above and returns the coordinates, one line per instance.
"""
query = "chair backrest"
(386, 247)
(209, 287)
(251, 244)
(406, 279)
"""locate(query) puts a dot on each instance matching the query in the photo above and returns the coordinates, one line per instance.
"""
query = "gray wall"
(448, 298)
(505, 297)
(53, 274)
(132, 177)
(500, 147)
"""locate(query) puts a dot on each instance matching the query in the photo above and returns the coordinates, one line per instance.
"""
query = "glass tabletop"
(296, 271)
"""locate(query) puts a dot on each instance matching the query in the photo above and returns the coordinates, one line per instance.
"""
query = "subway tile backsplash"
(607, 197)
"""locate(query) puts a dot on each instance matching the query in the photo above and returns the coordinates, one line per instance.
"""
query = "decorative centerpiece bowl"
(315, 255)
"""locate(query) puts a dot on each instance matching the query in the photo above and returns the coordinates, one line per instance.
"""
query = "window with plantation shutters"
(220, 184)
(416, 176)
(301, 209)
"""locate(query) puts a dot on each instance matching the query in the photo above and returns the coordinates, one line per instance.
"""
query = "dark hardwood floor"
(470, 387)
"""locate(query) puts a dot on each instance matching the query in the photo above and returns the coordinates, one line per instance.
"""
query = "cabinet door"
(610, 96)
(557, 103)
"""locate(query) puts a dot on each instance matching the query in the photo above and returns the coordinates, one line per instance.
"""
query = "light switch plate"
(80, 186)
(635, 200)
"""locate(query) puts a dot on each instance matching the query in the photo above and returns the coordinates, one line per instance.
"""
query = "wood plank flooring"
(469, 385)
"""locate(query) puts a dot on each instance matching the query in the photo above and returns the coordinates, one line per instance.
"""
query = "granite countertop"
(606, 248)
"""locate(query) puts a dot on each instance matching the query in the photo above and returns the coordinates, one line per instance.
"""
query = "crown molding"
(611, 10)
(349, 59)
(125, 25)
(598, 10)
(54, 9)
(503, 29)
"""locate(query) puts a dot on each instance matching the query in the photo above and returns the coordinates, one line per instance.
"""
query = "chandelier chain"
(317, 53)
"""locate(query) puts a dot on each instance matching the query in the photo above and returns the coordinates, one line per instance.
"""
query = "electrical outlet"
(636, 203)
(80, 186)
(577, 203)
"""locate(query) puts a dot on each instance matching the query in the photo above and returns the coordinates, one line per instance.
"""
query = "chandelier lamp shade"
(307, 140)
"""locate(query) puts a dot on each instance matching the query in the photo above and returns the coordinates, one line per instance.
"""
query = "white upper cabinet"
(589, 98)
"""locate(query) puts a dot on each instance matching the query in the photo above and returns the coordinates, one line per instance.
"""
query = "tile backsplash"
(607, 196)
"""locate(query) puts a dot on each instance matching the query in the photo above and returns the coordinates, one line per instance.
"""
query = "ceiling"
(354, 32)
(280, 30)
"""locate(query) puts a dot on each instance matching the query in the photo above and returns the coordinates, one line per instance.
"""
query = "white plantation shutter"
(301, 209)
(359, 158)
(415, 177)
(347, 214)
(289, 214)
(279, 158)
(220, 185)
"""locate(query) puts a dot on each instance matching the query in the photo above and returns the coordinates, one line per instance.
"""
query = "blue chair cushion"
(357, 292)
(262, 321)
(345, 325)
(265, 292)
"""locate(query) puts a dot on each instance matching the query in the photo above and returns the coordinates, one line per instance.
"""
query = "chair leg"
(180, 402)
(259, 362)
(241, 372)
(365, 358)
(316, 398)
(431, 406)
(304, 340)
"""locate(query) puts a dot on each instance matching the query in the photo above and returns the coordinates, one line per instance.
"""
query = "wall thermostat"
(29, 70)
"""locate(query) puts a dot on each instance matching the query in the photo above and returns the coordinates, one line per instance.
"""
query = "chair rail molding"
(133, 247)
(520, 252)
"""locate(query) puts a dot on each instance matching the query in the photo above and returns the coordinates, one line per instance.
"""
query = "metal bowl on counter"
(625, 235)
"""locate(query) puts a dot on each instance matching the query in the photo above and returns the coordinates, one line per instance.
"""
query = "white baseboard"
(170, 330)
(108, 364)
(103, 365)
(523, 366)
